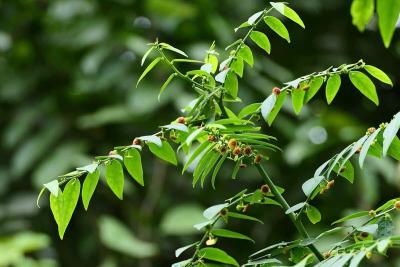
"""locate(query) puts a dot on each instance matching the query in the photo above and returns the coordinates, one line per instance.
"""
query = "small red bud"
(236, 151)
(247, 150)
(265, 189)
(397, 205)
(246, 208)
(364, 234)
(223, 149)
(211, 138)
(330, 184)
(136, 142)
(223, 212)
(181, 120)
(242, 165)
(276, 90)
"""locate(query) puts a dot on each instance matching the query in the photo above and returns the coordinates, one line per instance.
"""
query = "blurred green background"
(67, 75)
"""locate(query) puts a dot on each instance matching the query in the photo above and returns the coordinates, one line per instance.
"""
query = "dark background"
(68, 71)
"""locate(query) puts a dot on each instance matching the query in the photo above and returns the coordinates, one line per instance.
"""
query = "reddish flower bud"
(265, 189)
(181, 120)
(258, 158)
(246, 208)
(276, 90)
(236, 151)
(364, 234)
(211, 138)
(330, 184)
(397, 205)
(136, 142)
(232, 143)
(242, 165)
(247, 150)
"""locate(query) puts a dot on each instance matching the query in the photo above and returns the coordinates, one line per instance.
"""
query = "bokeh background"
(68, 70)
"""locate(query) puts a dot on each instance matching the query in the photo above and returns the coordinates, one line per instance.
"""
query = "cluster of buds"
(328, 186)
(242, 152)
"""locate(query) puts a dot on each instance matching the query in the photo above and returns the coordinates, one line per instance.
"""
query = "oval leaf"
(115, 177)
(364, 85)
(277, 26)
(133, 163)
(89, 185)
(332, 87)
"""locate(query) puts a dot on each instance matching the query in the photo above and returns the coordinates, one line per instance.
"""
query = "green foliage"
(210, 133)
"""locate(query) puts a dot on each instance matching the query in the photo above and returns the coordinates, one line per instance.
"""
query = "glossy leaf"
(366, 146)
(179, 251)
(313, 214)
(165, 152)
(246, 54)
(297, 100)
(253, 18)
(243, 217)
(288, 12)
(315, 85)
(261, 40)
(364, 85)
(278, 105)
(352, 216)
(151, 139)
(249, 110)
(332, 87)
(89, 186)
(390, 132)
(165, 85)
(231, 84)
(311, 184)
(218, 255)
(388, 14)
(146, 55)
(213, 211)
(115, 177)
(295, 207)
(173, 49)
(52, 187)
(148, 69)
(277, 26)
(378, 74)
(133, 164)
(64, 204)
(230, 234)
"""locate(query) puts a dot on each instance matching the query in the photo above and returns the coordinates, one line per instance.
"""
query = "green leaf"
(315, 85)
(218, 255)
(152, 139)
(246, 54)
(295, 207)
(213, 60)
(346, 170)
(253, 18)
(166, 83)
(148, 69)
(133, 163)
(115, 177)
(231, 84)
(388, 14)
(165, 152)
(52, 187)
(297, 100)
(216, 169)
(261, 40)
(278, 105)
(364, 85)
(367, 144)
(237, 66)
(277, 26)
(362, 12)
(378, 74)
(355, 261)
(332, 87)
(89, 185)
(173, 49)
(194, 135)
(310, 185)
(64, 204)
(313, 214)
(352, 216)
(146, 55)
(205, 146)
(288, 12)
(249, 110)
(243, 217)
(209, 165)
(390, 132)
(230, 234)
(268, 105)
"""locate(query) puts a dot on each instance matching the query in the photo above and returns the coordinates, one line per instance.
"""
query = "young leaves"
(288, 12)
(164, 152)
(298, 99)
(148, 69)
(315, 85)
(378, 74)
(52, 187)
(115, 177)
(230, 234)
(388, 14)
(278, 27)
(362, 12)
(364, 85)
(261, 40)
(332, 87)
(313, 214)
(165, 85)
(64, 204)
(278, 105)
(218, 255)
(246, 54)
(231, 84)
(133, 163)
(89, 185)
